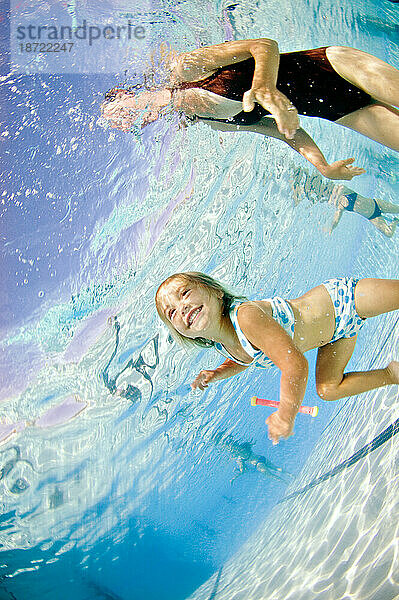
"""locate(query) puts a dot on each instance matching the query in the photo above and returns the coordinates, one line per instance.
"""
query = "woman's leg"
(331, 381)
(378, 122)
(387, 207)
(382, 225)
(369, 73)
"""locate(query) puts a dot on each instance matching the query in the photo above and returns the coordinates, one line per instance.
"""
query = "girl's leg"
(378, 122)
(382, 225)
(376, 296)
(372, 75)
(332, 383)
(387, 207)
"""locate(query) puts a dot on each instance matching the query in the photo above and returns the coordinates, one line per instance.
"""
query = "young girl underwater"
(200, 311)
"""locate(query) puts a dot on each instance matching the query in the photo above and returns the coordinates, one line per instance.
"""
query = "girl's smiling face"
(190, 308)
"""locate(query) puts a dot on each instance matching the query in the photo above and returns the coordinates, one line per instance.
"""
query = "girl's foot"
(393, 371)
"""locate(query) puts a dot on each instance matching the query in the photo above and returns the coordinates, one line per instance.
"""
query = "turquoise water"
(133, 497)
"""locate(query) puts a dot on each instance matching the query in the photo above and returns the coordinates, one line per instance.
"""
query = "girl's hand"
(278, 105)
(341, 169)
(203, 379)
(279, 427)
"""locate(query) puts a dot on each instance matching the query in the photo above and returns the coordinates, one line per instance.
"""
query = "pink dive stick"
(306, 410)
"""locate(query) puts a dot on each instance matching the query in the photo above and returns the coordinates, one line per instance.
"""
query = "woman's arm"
(199, 63)
(301, 143)
(337, 217)
(263, 332)
(202, 62)
(227, 369)
(307, 147)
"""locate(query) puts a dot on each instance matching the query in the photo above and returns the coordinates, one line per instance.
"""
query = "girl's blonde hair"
(212, 287)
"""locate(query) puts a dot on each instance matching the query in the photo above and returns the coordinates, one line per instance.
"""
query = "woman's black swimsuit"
(306, 78)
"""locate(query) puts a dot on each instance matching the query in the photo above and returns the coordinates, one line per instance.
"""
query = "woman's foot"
(386, 228)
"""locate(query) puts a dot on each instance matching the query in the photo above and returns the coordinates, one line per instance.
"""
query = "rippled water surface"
(116, 480)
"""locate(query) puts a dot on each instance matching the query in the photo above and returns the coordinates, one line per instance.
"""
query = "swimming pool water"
(133, 497)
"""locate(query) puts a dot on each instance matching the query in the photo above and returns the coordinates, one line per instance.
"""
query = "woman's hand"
(203, 379)
(279, 427)
(278, 105)
(118, 116)
(341, 169)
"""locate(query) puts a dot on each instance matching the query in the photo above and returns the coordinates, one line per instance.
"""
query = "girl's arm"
(228, 369)
(200, 63)
(265, 333)
(301, 143)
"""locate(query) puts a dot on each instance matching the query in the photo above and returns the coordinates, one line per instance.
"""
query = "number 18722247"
(45, 47)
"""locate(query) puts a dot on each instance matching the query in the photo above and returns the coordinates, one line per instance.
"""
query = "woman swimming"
(200, 311)
(368, 208)
(235, 84)
(316, 189)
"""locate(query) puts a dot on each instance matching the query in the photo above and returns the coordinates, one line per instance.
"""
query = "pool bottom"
(335, 537)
